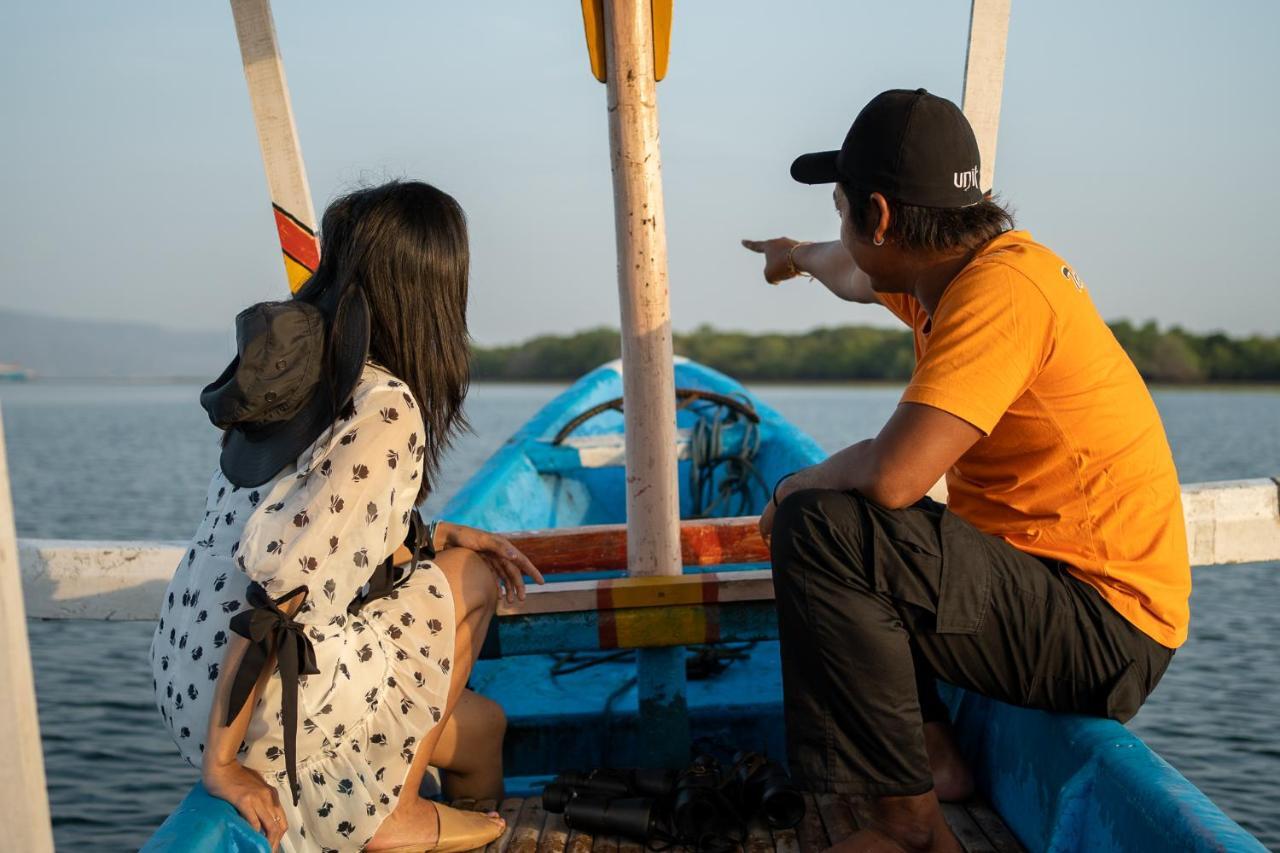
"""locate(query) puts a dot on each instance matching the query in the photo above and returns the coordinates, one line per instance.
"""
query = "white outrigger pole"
(627, 40)
(984, 78)
(24, 803)
(295, 217)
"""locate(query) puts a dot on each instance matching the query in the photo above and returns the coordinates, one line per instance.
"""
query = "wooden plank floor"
(531, 829)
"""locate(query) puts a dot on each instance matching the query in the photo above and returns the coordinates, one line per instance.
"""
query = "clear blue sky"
(1138, 139)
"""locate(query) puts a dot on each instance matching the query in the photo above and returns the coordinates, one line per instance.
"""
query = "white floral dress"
(323, 523)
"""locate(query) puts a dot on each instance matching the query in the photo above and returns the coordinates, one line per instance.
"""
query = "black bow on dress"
(271, 631)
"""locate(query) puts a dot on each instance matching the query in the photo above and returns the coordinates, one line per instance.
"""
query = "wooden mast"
(625, 33)
(984, 78)
(24, 805)
(295, 217)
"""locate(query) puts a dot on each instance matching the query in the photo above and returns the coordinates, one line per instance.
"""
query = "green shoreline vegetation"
(866, 353)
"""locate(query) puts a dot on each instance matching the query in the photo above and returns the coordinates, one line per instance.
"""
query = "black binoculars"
(694, 806)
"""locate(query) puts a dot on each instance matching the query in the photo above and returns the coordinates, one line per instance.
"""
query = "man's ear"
(882, 220)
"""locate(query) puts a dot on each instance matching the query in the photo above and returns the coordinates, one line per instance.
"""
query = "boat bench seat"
(726, 594)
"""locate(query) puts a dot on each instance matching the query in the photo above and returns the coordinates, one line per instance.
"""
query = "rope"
(732, 494)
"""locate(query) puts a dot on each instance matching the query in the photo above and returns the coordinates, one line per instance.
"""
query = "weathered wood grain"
(759, 839)
(786, 841)
(811, 833)
(555, 834)
(528, 828)
(605, 844)
(828, 818)
(971, 836)
(510, 811)
(1000, 836)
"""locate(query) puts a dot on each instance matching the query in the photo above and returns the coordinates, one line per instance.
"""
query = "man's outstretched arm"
(830, 263)
(896, 468)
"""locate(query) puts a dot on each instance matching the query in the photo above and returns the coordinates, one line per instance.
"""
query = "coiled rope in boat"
(730, 494)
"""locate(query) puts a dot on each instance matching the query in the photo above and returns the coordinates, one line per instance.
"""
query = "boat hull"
(1061, 782)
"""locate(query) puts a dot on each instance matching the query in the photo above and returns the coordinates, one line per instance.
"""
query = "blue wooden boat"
(1059, 782)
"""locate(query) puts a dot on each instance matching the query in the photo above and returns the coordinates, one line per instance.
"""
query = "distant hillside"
(61, 348)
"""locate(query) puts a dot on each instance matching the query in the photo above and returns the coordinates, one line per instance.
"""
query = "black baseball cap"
(914, 147)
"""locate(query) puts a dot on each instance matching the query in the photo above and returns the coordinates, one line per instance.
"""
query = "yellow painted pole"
(295, 217)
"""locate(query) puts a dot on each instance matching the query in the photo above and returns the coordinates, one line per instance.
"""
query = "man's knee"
(816, 513)
(818, 525)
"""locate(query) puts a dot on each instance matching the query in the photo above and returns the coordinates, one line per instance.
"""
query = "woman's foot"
(416, 823)
(902, 825)
(952, 781)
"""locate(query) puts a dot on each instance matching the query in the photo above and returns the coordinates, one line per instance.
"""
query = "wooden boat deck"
(828, 817)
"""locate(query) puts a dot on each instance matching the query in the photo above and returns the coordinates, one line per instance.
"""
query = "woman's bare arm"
(222, 773)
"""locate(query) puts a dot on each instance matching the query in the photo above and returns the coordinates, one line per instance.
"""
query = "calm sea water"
(132, 462)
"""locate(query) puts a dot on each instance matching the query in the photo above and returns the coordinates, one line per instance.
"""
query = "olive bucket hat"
(274, 399)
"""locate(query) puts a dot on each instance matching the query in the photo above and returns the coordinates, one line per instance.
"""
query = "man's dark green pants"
(875, 605)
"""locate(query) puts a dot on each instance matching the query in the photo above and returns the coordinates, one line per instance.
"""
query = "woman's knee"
(470, 579)
(490, 718)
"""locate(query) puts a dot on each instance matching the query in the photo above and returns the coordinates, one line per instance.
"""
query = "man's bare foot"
(412, 822)
(952, 781)
(903, 825)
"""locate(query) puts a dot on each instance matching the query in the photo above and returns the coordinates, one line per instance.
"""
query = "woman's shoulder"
(381, 402)
(378, 386)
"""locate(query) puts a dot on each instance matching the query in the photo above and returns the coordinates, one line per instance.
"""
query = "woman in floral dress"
(309, 663)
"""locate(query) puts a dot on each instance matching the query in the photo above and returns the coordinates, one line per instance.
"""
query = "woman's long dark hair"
(404, 244)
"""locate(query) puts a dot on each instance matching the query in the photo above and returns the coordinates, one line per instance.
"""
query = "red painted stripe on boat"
(607, 629)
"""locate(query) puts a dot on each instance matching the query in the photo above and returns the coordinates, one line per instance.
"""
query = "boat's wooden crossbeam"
(828, 819)
(603, 547)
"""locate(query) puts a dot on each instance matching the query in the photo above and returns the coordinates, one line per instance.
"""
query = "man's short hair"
(930, 229)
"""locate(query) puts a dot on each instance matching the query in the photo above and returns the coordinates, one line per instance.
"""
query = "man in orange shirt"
(1057, 575)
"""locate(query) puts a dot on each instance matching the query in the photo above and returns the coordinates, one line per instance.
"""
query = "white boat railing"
(1228, 522)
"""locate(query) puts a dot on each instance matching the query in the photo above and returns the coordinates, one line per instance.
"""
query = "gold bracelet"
(791, 260)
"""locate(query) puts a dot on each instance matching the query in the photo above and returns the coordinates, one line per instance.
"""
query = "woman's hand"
(508, 564)
(257, 802)
(778, 260)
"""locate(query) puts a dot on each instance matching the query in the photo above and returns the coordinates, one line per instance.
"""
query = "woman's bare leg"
(470, 749)
(475, 597)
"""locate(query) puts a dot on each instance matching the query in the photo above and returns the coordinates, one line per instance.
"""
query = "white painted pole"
(648, 377)
(984, 78)
(653, 505)
(24, 801)
(295, 216)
